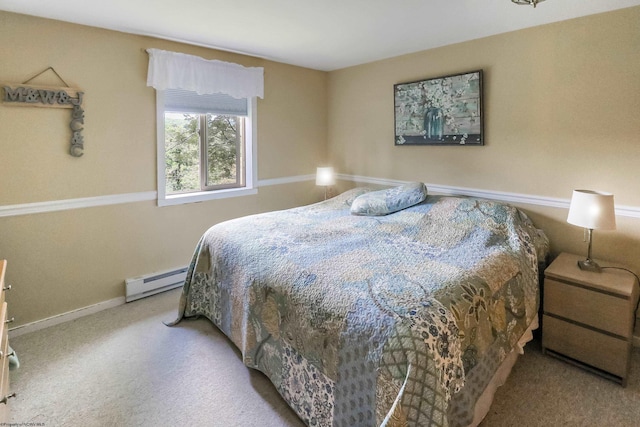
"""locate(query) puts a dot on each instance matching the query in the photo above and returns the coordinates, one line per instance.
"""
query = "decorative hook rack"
(28, 95)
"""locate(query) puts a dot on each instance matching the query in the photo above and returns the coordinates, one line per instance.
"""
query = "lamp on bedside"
(592, 210)
(326, 178)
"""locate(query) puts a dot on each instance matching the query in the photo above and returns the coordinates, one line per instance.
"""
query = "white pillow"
(384, 202)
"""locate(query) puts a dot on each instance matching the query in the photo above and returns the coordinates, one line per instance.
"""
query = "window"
(203, 152)
(206, 118)
(205, 146)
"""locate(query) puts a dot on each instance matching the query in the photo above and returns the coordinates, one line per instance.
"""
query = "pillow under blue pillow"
(384, 202)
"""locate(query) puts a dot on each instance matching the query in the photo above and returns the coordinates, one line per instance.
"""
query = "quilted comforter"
(399, 320)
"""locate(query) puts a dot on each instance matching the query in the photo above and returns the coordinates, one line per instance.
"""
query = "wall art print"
(440, 111)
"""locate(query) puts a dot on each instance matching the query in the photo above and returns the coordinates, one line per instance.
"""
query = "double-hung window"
(206, 120)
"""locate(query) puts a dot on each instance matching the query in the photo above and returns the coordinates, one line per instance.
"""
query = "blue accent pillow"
(384, 202)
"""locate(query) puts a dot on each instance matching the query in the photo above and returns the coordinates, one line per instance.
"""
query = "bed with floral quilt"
(368, 318)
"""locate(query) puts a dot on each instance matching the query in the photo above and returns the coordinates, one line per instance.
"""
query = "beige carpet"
(123, 367)
(543, 391)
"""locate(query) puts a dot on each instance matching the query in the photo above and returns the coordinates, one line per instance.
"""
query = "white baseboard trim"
(95, 308)
(64, 317)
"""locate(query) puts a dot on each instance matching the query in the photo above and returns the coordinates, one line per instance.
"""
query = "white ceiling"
(322, 34)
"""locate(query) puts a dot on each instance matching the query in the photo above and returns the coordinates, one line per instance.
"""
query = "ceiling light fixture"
(527, 2)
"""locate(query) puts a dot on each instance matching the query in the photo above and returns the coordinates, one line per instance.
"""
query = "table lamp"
(593, 210)
(326, 178)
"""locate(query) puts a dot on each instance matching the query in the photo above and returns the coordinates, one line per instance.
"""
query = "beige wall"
(562, 108)
(561, 112)
(61, 261)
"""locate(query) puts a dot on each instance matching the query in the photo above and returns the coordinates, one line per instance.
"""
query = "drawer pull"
(10, 320)
(7, 397)
(7, 288)
(13, 353)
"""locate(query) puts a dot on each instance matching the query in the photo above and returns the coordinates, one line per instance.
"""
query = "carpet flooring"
(123, 367)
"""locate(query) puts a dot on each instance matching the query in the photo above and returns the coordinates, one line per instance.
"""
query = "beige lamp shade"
(592, 209)
(325, 176)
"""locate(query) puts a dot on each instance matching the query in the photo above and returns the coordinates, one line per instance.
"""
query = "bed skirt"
(500, 377)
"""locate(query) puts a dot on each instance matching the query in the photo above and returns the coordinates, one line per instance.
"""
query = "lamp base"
(589, 265)
(327, 192)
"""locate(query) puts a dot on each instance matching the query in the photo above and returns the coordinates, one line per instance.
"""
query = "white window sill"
(202, 196)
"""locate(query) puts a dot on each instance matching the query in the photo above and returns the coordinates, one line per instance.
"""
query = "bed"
(365, 319)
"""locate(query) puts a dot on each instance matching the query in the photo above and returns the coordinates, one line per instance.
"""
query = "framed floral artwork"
(440, 111)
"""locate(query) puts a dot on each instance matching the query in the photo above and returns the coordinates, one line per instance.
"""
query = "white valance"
(173, 70)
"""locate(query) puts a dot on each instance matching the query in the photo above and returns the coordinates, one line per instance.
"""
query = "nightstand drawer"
(593, 348)
(606, 312)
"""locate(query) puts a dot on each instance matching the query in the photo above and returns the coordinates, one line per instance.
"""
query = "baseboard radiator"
(144, 286)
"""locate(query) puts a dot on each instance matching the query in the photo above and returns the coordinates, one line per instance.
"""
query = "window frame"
(250, 161)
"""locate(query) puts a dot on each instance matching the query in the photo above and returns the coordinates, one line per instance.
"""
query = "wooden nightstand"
(588, 317)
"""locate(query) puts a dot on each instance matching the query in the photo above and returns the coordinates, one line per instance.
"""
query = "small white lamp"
(593, 210)
(326, 178)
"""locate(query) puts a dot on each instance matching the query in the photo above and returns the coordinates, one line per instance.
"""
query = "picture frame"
(444, 110)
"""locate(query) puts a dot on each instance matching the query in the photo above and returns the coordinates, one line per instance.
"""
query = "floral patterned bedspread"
(399, 320)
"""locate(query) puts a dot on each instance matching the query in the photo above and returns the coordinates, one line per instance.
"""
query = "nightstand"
(588, 317)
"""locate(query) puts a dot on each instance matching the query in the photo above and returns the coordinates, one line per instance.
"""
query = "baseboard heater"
(144, 286)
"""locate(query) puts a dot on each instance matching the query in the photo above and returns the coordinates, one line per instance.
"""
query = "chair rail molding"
(114, 199)
(553, 202)
(66, 204)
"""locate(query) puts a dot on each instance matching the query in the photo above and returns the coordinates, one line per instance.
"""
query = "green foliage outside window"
(222, 149)
(183, 146)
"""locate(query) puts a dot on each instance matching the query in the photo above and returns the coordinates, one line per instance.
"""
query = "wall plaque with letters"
(26, 95)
